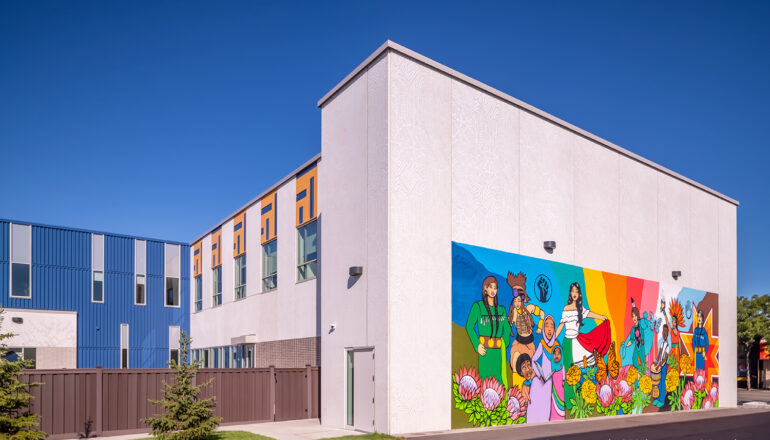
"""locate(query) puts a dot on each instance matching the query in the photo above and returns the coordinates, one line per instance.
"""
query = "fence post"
(273, 380)
(309, 386)
(99, 395)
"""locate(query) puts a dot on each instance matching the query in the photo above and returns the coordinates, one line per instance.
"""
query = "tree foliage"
(753, 324)
(187, 417)
(16, 421)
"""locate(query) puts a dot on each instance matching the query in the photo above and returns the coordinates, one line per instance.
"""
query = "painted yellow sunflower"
(573, 375)
(588, 390)
(672, 381)
(645, 384)
(685, 364)
(632, 375)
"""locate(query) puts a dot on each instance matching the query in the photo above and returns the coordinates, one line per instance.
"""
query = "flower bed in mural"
(535, 340)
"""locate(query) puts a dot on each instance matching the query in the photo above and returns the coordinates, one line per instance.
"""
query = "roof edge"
(253, 201)
(390, 45)
(91, 231)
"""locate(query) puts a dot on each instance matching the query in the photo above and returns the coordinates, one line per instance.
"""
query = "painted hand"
(628, 344)
(482, 350)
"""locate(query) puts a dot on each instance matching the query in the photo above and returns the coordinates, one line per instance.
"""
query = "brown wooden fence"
(115, 401)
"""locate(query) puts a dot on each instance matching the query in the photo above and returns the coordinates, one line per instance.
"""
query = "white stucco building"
(415, 156)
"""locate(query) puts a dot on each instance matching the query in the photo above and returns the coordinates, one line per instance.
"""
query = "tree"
(16, 421)
(753, 324)
(187, 417)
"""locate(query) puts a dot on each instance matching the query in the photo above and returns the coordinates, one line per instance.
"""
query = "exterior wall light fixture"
(17, 320)
(549, 246)
(676, 274)
(355, 271)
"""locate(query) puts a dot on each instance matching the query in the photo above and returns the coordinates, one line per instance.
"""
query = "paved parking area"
(745, 396)
(723, 423)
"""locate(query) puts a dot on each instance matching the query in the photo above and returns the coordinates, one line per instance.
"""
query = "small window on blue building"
(97, 268)
(21, 260)
(98, 289)
(140, 296)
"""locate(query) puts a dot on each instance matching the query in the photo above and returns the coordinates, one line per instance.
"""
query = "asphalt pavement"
(717, 424)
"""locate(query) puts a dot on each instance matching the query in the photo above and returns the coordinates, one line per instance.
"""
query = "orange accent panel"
(197, 259)
(269, 217)
(307, 195)
(239, 234)
(216, 248)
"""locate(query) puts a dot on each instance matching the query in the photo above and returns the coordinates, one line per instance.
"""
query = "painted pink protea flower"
(516, 406)
(707, 403)
(623, 390)
(714, 392)
(699, 378)
(605, 392)
(688, 396)
(468, 383)
(491, 393)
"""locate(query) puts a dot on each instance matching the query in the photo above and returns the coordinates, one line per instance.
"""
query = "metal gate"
(291, 394)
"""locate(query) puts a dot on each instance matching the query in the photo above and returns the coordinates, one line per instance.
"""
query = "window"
(21, 260)
(205, 362)
(14, 354)
(140, 269)
(270, 265)
(216, 287)
(173, 269)
(172, 292)
(307, 251)
(198, 293)
(240, 277)
(173, 344)
(98, 288)
(123, 345)
(97, 268)
(140, 298)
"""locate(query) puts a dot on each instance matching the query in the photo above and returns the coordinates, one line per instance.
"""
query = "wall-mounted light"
(17, 320)
(332, 327)
(676, 274)
(355, 271)
(549, 246)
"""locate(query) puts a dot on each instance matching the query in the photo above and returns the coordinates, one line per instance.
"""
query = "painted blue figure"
(658, 370)
(700, 343)
(639, 341)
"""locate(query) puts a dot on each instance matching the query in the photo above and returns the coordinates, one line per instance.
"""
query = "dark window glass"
(20, 280)
(98, 291)
(172, 291)
(140, 297)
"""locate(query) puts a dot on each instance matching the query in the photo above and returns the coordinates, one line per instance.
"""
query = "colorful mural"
(534, 340)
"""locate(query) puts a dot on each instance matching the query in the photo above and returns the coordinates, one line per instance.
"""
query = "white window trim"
(143, 273)
(127, 347)
(10, 266)
(262, 266)
(235, 287)
(165, 278)
(296, 247)
(104, 290)
(178, 349)
(213, 293)
(136, 283)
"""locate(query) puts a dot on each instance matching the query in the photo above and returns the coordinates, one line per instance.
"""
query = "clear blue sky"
(115, 115)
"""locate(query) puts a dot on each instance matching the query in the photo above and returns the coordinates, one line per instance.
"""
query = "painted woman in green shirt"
(489, 332)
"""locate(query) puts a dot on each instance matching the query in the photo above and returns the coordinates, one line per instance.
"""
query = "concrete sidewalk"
(305, 429)
(599, 427)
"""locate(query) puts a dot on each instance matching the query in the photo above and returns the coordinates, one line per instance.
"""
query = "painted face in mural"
(491, 290)
(527, 372)
(635, 316)
(549, 328)
(574, 293)
(517, 302)
(557, 355)
(700, 318)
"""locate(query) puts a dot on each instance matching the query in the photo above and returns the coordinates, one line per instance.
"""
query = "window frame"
(171, 347)
(166, 277)
(274, 274)
(198, 282)
(127, 347)
(308, 262)
(144, 292)
(94, 270)
(236, 270)
(178, 294)
(216, 277)
(93, 286)
(12, 262)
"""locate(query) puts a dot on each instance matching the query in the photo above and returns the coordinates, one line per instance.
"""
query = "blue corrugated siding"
(61, 280)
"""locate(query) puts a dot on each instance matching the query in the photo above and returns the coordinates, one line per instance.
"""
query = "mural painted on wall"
(535, 340)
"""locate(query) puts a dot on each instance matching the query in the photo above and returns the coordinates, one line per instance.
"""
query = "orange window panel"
(239, 234)
(197, 259)
(216, 248)
(269, 216)
(307, 192)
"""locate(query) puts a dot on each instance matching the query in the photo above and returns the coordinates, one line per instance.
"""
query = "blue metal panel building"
(61, 280)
